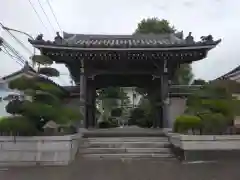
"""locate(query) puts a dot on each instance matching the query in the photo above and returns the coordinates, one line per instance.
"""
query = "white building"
(7, 94)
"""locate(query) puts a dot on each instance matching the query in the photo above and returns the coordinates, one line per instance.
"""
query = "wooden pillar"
(165, 95)
(91, 97)
(152, 100)
(156, 110)
(83, 90)
(158, 107)
(94, 107)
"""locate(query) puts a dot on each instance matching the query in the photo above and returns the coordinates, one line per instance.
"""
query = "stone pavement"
(126, 170)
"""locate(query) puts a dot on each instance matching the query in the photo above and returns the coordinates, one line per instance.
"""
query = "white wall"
(130, 92)
(177, 107)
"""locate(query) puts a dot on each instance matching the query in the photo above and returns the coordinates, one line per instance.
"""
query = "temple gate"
(147, 61)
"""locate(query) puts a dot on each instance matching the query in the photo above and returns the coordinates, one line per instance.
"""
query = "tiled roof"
(120, 41)
(26, 69)
(232, 73)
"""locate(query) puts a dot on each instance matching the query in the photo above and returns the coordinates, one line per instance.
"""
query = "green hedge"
(107, 124)
(214, 123)
(17, 125)
(184, 123)
(206, 123)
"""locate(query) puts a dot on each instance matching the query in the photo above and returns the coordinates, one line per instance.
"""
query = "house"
(7, 94)
(233, 75)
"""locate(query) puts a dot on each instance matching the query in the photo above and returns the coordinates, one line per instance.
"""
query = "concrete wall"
(38, 150)
(177, 107)
(205, 142)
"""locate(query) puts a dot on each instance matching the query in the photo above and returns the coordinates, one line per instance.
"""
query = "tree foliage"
(48, 71)
(42, 59)
(45, 104)
(183, 75)
(199, 82)
(215, 105)
(155, 26)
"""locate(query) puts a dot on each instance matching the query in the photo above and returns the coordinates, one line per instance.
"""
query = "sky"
(219, 18)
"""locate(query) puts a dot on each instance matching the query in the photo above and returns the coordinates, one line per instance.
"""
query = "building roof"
(26, 69)
(231, 74)
(96, 41)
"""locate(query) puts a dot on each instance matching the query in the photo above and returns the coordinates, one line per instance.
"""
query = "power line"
(20, 42)
(6, 46)
(55, 17)
(39, 17)
(46, 15)
(12, 57)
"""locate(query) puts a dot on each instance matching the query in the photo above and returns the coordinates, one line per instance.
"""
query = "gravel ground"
(83, 169)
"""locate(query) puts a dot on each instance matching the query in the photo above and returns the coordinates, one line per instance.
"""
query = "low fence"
(38, 150)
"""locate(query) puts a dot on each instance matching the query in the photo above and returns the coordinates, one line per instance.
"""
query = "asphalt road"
(127, 170)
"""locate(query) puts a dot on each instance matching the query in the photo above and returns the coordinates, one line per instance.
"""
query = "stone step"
(124, 150)
(113, 133)
(125, 155)
(126, 144)
(129, 139)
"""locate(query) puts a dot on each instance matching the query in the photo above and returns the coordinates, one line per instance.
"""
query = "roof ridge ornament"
(179, 34)
(190, 39)
(39, 37)
(207, 39)
(58, 39)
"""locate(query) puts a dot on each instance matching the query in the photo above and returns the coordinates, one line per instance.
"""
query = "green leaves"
(48, 71)
(154, 25)
(42, 59)
(22, 83)
(184, 123)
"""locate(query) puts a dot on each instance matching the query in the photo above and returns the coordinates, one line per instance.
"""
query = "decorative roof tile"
(124, 41)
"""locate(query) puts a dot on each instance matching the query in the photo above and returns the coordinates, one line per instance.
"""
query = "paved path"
(127, 170)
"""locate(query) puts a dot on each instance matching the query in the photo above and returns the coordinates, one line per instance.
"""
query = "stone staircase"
(126, 147)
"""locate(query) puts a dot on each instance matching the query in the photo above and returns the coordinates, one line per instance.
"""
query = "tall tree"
(184, 74)
(155, 26)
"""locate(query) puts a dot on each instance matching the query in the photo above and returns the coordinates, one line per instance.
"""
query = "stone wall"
(38, 150)
(177, 107)
(205, 147)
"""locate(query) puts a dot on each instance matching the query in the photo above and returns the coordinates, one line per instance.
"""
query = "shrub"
(104, 124)
(14, 107)
(145, 122)
(137, 114)
(41, 59)
(184, 123)
(22, 83)
(117, 112)
(110, 123)
(17, 125)
(48, 71)
(214, 123)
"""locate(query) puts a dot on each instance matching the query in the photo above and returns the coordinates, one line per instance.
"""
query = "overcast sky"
(203, 17)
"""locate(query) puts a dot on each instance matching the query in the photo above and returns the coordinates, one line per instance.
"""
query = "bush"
(17, 125)
(214, 123)
(184, 123)
(145, 122)
(14, 107)
(22, 83)
(117, 112)
(48, 71)
(137, 114)
(108, 124)
(104, 124)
